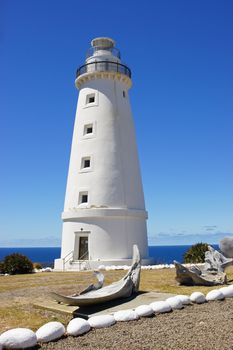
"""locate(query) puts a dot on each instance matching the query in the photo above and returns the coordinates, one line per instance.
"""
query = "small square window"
(86, 162)
(88, 129)
(83, 197)
(90, 98)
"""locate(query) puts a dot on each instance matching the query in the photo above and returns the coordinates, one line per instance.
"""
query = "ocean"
(46, 256)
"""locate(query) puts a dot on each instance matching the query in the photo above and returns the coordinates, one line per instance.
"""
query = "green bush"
(196, 253)
(37, 266)
(17, 264)
(2, 270)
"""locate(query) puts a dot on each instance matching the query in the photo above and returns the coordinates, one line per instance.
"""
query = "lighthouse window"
(124, 94)
(86, 162)
(90, 98)
(83, 197)
(88, 129)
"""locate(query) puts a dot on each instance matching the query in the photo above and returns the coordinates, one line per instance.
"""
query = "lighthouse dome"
(103, 49)
(103, 57)
(103, 42)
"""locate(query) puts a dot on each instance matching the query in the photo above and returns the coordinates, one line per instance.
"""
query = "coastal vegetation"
(16, 263)
(37, 266)
(196, 253)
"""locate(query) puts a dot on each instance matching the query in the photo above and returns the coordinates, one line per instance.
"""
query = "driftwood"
(124, 288)
(211, 274)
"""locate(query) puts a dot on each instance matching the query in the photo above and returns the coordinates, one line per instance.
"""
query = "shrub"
(17, 264)
(37, 266)
(2, 270)
(196, 253)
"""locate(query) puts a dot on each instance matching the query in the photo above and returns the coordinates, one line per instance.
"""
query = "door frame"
(77, 236)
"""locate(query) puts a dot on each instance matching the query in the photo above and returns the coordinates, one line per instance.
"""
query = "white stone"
(47, 269)
(215, 294)
(197, 297)
(144, 310)
(78, 326)
(101, 321)
(227, 291)
(161, 307)
(108, 268)
(125, 315)
(184, 299)
(175, 303)
(230, 287)
(114, 213)
(18, 338)
(50, 331)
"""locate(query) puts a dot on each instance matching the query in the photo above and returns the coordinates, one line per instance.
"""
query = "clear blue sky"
(181, 55)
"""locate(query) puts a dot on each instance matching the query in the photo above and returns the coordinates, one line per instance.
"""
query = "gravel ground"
(204, 327)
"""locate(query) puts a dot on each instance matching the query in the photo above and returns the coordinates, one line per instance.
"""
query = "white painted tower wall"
(114, 217)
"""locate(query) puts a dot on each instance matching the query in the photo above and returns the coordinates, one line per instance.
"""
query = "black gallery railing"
(103, 66)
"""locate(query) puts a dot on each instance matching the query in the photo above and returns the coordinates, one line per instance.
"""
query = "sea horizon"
(162, 254)
(149, 245)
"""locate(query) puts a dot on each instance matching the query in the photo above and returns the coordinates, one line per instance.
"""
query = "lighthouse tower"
(104, 212)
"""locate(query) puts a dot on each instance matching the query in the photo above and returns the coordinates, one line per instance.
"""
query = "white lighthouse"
(104, 212)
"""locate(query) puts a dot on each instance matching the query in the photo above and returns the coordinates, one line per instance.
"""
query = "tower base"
(82, 265)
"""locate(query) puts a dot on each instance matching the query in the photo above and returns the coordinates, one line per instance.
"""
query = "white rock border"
(50, 331)
(77, 326)
(198, 298)
(195, 298)
(143, 267)
(101, 321)
(215, 294)
(18, 338)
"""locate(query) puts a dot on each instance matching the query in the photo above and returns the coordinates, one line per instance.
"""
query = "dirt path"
(197, 327)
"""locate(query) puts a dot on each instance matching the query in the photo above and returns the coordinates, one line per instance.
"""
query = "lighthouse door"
(81, 250)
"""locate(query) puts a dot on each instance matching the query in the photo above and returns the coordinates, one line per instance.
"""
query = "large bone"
(124, 288)
(211, 274)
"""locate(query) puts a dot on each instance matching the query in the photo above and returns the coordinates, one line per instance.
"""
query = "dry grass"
(17, 293)
(27, 316)
(164, 281)
(41, 279)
